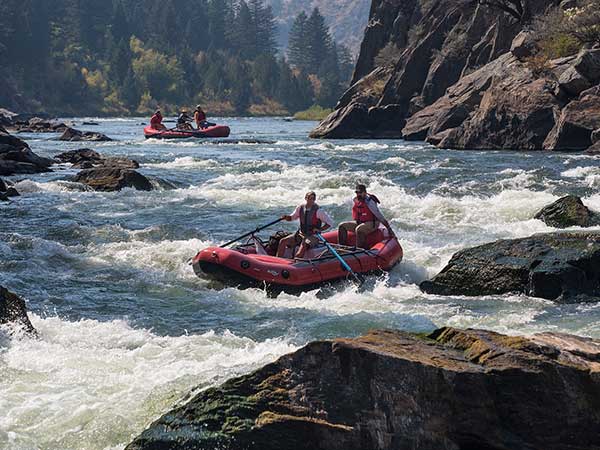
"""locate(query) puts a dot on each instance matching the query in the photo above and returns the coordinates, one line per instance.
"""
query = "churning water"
(127, 329)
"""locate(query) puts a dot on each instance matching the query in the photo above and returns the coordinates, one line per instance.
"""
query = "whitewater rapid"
(126, 329)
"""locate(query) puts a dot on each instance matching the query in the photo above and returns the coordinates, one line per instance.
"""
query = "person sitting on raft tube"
(200, 119)
(366, 218)
(156, 121)
(184, 121)
(312, 220)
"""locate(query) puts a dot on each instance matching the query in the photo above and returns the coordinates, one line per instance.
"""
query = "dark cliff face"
(421, 57)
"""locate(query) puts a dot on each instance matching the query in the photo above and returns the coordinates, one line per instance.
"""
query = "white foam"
(95, 385)
(589, 174)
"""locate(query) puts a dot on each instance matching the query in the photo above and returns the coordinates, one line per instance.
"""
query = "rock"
(516, 112)
(90, 124)
(568, 211)
(7, 117)
(3, 186)
(86, 158)
(595, 137)
(39, 125)
(573, 82)
(12, 192)
(577, 121)
(13, 310)
(113, 179)
(350, 121)
(77, 156)
(563, 267)
(523, 45)
(72, 134)
(588, 64)
(17, 158)
(450, 390)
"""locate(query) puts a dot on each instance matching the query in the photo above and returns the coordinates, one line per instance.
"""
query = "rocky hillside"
(453, 389)
(347, 19)
(462, 74)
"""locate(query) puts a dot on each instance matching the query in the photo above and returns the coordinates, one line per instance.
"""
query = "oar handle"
(250, 233)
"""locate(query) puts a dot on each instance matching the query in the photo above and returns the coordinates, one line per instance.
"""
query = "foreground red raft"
(217, 131)
(242, 266)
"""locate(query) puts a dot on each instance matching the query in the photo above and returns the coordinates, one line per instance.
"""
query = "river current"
(126, 328)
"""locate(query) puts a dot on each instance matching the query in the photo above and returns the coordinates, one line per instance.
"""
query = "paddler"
(184, 121)
(200, 118)
(156, 121)
(312, 220)
(366, 218)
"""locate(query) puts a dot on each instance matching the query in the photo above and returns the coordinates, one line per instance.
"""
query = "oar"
(357, 277)
(252, 232)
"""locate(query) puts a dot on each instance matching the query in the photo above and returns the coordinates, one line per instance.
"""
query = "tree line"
(128, 56)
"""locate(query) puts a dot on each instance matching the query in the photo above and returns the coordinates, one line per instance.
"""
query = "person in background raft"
(200, 119)
(366, 218)
(156, 121)
(183, 121)
(312, 220)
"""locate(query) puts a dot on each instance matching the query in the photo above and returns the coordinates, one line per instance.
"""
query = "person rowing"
(312, 219)
(184, 121)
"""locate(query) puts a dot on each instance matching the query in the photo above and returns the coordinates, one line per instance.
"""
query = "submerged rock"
(567, 212)
(563, 267)
(72, 134)
(86, 158)
(451, 390)
(13, 310)
(7, 191)
(113, 179)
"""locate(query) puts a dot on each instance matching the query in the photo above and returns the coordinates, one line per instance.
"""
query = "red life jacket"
(155, 120)
(361, 212)
(199, 116)
(309, 220)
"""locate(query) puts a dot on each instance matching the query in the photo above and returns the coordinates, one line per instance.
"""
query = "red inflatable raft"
(217, 131)
(252, 264)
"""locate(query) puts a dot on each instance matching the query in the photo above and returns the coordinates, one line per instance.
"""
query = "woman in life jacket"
(366, 218)
(312, 220)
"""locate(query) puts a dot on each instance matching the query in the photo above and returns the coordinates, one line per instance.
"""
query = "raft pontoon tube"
(244, 266)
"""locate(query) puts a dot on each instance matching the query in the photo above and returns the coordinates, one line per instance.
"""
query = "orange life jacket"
(309, 220)
(361, 212)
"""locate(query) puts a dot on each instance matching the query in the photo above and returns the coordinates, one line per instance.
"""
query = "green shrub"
(315, 112)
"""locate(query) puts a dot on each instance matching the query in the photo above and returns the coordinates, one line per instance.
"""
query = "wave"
(95, 385)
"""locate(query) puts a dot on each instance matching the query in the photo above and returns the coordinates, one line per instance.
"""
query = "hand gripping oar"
(252, 232)
(357, 277)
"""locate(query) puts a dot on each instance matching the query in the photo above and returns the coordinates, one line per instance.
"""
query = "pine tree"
(297, 43)
(319, 41)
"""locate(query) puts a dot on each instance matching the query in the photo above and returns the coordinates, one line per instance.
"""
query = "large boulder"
(71, 134)
(568, 211)
(14, 310)
(17, 158)
(577, 121)
(113, 179)
(450, 390)
(563, 267)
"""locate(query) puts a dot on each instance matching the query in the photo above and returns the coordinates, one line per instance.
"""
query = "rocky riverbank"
(465, 75)
(452, 389)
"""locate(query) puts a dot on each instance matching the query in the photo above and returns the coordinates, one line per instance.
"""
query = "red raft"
(216, 131)
(252, 264)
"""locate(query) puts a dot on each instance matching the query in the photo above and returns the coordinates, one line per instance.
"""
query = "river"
(127, 329)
